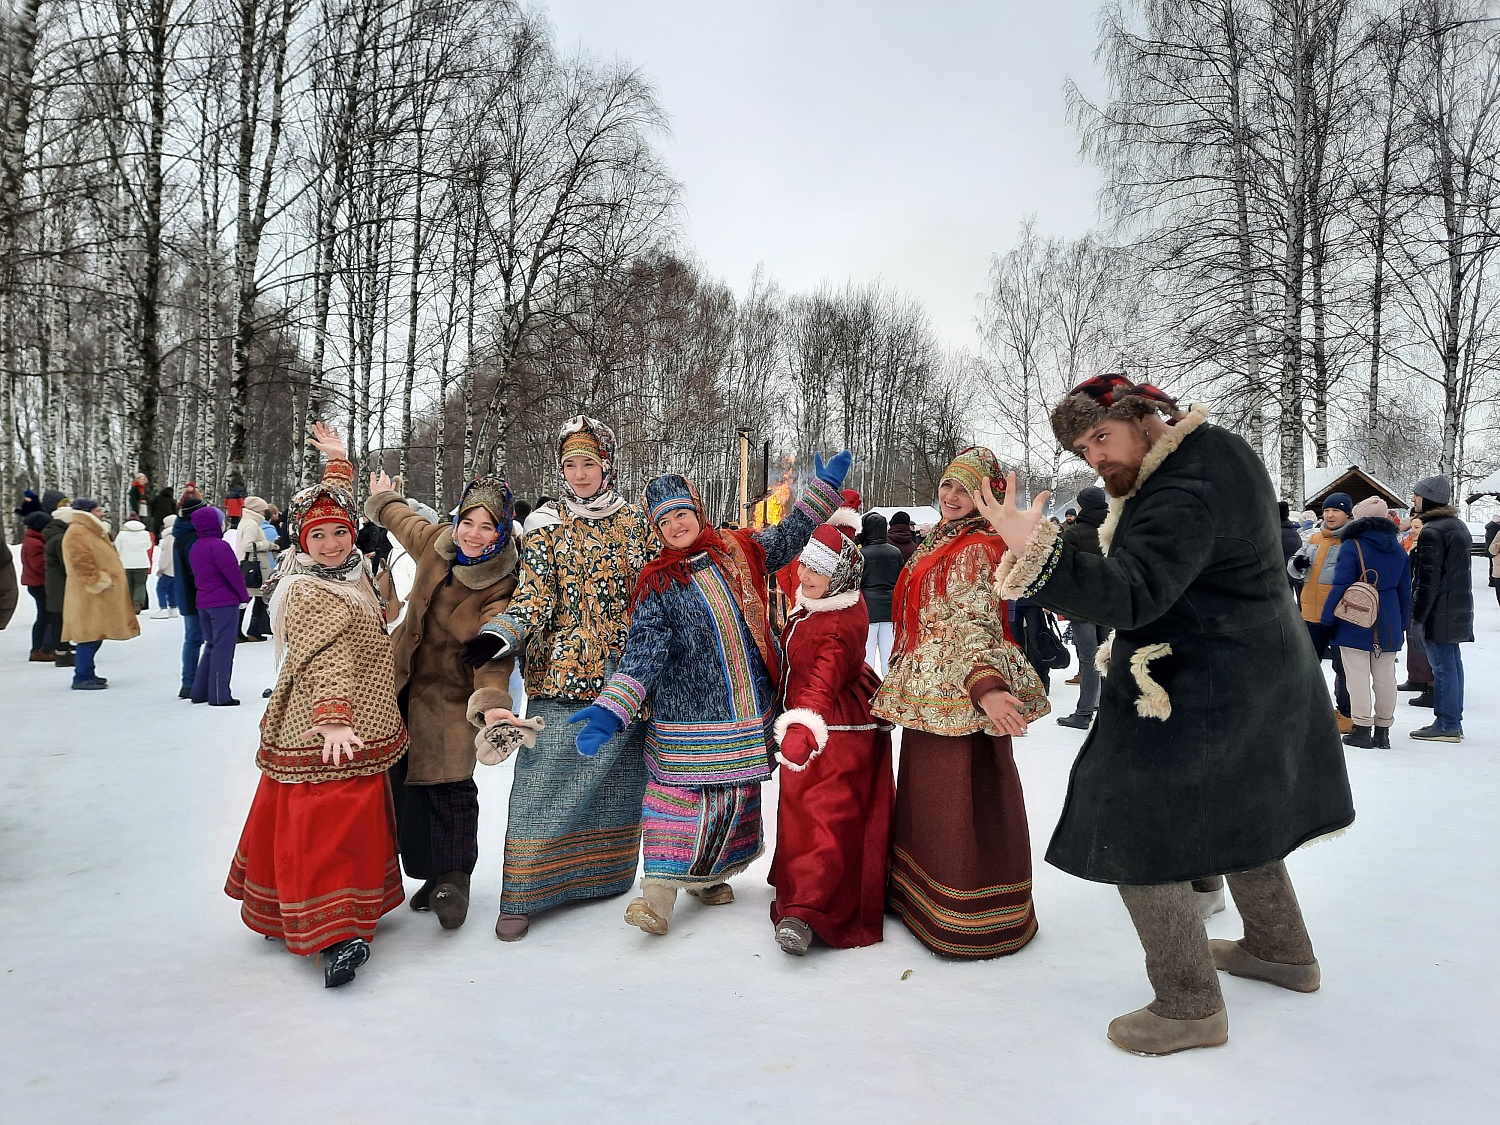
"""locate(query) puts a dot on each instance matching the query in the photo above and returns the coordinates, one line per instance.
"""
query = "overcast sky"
(872, 140)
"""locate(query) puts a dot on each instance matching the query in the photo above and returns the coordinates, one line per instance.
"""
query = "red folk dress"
(833, 824)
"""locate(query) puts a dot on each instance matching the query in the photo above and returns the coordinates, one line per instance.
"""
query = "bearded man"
(1215, 751)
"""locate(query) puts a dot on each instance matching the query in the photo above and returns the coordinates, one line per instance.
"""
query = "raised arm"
(784, 541)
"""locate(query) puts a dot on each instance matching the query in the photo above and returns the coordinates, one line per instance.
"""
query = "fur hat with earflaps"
(1107, 396)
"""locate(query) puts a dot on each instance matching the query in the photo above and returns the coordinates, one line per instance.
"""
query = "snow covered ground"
(131, 992)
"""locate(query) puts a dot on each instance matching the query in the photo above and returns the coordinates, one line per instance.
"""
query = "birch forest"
(221, 220)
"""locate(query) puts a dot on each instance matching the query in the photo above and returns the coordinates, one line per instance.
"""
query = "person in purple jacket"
(221, 593)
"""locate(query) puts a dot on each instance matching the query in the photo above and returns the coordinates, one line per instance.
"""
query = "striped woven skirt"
(960, 849)
(316, 864)
(574, 827)
(698, 837)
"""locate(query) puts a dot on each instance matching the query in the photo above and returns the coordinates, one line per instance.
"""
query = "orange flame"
(779, 501)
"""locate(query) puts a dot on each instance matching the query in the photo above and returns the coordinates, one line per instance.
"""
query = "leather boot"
(1360, 738)
(512, 927)
(1382, 738)
(450, 899)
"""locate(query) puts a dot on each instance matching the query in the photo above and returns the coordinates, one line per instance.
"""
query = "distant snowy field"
(131, 992)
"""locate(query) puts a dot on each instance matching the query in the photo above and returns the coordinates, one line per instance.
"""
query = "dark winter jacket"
(29, 504)
(1442, 585)
(1291, 540)
(1214, 749)
(10, 588)
(1093, 508)
(184, 535)
(216, 568)
(34, 551)
(883, 564)
(57, 572)
(162, 505)
(1379, 541)
(903, 537)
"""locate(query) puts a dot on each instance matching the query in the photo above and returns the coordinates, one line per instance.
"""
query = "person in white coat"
(255, 544)
(134, 545)
(166, 577)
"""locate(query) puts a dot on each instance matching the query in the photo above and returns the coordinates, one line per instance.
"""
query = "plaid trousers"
(437, 826)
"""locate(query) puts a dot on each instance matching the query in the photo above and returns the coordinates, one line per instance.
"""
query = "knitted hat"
(1340, 500)
(831, 552)
(1437, 489)
(84, 504)
(52, 498)
(1107, 396)
(669, 493)
(257, 505)
(1370, 506)
(972, 466)
(331, 500)
(901, 519)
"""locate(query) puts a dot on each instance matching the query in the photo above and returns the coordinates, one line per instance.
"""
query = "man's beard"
(1120, 479)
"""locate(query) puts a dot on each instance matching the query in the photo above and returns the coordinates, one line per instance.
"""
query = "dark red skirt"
(833, 830)
(317, 862)
(961, 851)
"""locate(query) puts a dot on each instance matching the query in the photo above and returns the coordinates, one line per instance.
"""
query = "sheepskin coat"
(96, 604)
(443, 699)
(1214, 750)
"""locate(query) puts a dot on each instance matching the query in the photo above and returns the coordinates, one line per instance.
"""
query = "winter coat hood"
(133, 523)
(208, 523)
(873, 528)
(51, 500)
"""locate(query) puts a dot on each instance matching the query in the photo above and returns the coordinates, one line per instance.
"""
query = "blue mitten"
(833, 472)
(601, 725)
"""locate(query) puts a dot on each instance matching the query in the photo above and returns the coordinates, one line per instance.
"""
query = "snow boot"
(420, 901)
(652, 912)
(450, 899)
(794, 936)
(1382, 738)
(1360, 738)
(1143, 1032)
(1233, 958)
(512, 927)
(340, 961)
(1423, 700)
(1433, 734)
(1078, 720)
(719, 894)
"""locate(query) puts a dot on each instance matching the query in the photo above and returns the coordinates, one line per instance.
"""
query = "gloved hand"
(1301, 564)
(601, 725)
(833, 472)
(798, 748)
(484, 648)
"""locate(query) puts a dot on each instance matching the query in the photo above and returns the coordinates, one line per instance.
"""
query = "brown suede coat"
(443, 699)
(96, 604)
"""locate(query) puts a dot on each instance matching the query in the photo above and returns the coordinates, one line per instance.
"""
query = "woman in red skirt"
(833, 824)
(316, 866)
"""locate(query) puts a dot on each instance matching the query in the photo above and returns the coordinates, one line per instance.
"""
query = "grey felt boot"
(450, 899)
(1189, 1009)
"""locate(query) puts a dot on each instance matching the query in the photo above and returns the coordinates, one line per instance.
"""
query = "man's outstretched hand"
(1011, 523)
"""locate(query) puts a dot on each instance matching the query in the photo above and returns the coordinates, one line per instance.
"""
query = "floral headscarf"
(589, 437)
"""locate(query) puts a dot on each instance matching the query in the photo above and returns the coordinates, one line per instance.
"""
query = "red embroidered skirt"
(317, 862)
(833, 833)
(960, 850)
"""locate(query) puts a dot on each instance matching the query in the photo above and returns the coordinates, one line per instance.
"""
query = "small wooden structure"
(1354, 482)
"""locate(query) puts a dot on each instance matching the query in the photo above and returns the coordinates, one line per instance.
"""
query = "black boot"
(450, 899)
(420, 900)
(1382, 738)
(1078, 720)
(1360, 738)
(1411, 685)
(340, 961)
(1423, 700)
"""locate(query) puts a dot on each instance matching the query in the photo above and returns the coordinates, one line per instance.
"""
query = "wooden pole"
(744, 520)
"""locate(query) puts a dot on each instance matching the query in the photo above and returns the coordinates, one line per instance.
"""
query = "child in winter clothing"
(833, 823)
(1371, 552)
(221, 592)
(34, 578)
(165, 570)
(700, 648)
(134, 544)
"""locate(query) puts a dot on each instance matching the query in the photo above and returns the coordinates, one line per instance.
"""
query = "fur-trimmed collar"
(476, 576)
(1165, 446)
(847, 600)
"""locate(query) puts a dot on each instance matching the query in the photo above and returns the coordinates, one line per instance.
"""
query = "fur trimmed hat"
(831, 551)
(1107, 396)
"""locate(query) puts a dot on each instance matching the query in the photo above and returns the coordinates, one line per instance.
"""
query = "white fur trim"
(1165, 446)
(1154, 702)
(846, 517)
(801, 716)
(1013, 580)
(847, 600)
(1323, 839)
(1101, 658)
